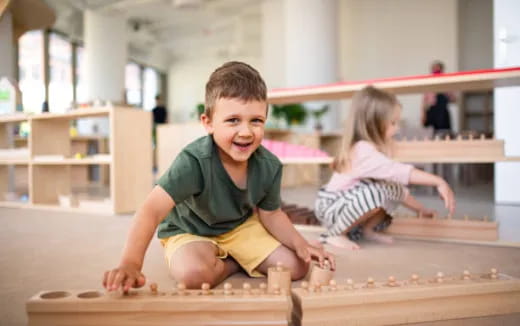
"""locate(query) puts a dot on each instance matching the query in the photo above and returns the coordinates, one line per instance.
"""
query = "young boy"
(218, 205)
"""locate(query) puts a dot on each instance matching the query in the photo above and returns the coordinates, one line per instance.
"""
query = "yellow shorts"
(249, 244)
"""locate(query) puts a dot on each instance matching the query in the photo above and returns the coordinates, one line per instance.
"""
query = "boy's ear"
(207, 123)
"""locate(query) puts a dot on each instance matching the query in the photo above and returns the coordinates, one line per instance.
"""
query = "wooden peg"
(440, 277)
(181, 288)
(305, 286)
(459, 137)
(470, 136)
(494, 274)
(370, 282)
(415, 279)
(447, 137)
(437, 138)
(486, 218)
(205, 287)
(350, 284)
(153, 288)
(280, 276)
(482, 137)
(333, 285)
(263, 287)
(246, 287)
(391, 281)
(466, 217)
(466, 275)
(316, 287)
(228, 289)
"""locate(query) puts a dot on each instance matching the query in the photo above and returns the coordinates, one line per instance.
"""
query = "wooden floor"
(42, 250)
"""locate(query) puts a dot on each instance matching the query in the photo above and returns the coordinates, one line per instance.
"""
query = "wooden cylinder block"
(320, 275)
(278, 279)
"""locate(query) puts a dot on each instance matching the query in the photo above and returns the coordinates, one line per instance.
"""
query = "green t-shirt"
(207, 200)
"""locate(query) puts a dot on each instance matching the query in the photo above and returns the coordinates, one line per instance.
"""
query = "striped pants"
(338, 210)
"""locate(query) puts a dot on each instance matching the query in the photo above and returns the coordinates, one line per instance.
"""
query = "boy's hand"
(425, 212)
(447, 195)
(307, 252)
(125, 276)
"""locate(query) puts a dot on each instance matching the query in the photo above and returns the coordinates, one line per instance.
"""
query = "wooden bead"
(205, 288)
(350, 283)
(466, 275)
(440, 277)
(247, 288)
(415, 278)
(153, 288)
(391, 281)
(305, 286)
(228, 289)
(333, 285)
(181, 288)
(370, 282)
(262, 287)
(494, 273)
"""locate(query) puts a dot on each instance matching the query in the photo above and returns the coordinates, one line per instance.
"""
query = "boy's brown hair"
(234, 80)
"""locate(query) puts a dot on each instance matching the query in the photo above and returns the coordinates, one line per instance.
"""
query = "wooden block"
(321, 276)
(278, 279)
(408, 301)
(154, 307)
(445, 228)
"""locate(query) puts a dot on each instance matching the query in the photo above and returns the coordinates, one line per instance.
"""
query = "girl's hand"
(447, 195)
(307, 252)
(425, 212)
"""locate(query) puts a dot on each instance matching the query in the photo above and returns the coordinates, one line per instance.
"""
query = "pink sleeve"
(368, 162)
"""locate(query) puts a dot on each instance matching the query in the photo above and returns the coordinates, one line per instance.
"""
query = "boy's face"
(237, 127)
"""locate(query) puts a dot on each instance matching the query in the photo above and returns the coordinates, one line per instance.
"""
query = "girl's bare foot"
(342, 241)
(378, 237)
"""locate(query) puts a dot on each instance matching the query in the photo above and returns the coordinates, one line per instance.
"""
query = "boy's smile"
(237, 128)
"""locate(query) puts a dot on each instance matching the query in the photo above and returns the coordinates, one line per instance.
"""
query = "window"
(60, 67)
(81, 89)
(151, 88)
(133, 84)
(30, 63)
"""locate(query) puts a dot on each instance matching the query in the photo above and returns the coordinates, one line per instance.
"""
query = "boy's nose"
(245, 130)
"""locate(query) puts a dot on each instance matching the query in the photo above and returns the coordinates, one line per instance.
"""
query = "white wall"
(397, 38)
(273, 44)
(187, 81)
(6, 46)
(507, 115)
(475, 26)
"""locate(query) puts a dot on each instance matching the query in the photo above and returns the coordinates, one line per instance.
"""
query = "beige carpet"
(42, 250)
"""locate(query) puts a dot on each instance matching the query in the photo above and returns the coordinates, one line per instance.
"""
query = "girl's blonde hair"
(370, 112)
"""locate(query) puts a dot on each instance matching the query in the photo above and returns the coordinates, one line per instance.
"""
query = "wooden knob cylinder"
(321, 275)
(278, 277)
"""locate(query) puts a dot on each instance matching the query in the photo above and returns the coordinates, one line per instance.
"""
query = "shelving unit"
(50, 161)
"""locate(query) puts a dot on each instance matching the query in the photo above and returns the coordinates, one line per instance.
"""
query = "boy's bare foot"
(378, 237)
(342, 241)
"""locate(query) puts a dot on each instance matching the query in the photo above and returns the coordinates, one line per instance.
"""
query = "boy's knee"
(194, 275)
(298, 268)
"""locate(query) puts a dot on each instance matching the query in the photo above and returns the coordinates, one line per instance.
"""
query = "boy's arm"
(154, 209)
(420, 177)
(279, 225)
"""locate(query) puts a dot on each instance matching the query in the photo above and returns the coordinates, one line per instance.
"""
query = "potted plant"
(292, 113)
(318, 114)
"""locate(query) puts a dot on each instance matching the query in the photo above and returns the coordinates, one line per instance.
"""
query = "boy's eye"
(258, 121)
(232, 120)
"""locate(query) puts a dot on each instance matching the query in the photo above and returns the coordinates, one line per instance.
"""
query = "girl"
(366, 184)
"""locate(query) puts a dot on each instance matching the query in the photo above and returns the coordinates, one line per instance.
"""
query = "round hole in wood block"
(54, 295)
(90, 295)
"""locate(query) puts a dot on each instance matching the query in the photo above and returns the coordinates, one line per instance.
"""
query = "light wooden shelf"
(74, 161)
(53, 170)
(17, 117)
(14, 204)
(75, 114)
(17, 161)
(468, 80)
(306, 160)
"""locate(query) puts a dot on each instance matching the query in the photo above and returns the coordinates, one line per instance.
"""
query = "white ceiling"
(182, 27)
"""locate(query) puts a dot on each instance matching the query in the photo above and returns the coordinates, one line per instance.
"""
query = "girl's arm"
(420, 177)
